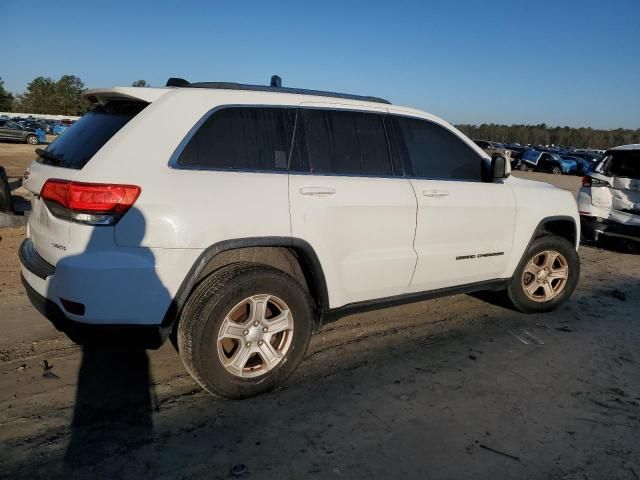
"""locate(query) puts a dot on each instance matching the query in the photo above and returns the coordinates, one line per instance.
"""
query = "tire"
(556, 171)
(32, 140)
(524, 167)
(522, 277)
(218, 298)
(6, 204)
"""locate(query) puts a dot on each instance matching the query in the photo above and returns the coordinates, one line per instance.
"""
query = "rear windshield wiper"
(52, 157)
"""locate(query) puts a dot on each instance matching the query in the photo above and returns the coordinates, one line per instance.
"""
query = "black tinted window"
(624, 163)
(242, 138)
(75, 147)
(341, 142)
(431, 151)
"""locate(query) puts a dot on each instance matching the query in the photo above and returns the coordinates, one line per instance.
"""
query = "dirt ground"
(16, 157)
(453, 388)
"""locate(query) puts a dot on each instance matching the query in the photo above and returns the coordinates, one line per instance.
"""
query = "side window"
(242, 138)
(341, 142)
(431, 151)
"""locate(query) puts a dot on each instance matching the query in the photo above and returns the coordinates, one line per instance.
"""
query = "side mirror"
(500, 168)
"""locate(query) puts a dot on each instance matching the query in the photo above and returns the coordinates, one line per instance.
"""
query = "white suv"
(609, 200)
(243, 217)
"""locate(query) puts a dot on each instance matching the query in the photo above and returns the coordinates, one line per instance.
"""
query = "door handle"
(317, 191)
(435, 193)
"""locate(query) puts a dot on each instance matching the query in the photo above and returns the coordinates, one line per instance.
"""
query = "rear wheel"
(32, 140)
(524, 167)
(244, 330)
(6, 205)
(546, 276)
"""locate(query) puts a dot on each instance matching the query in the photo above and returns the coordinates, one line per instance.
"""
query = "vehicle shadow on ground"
(114, 395)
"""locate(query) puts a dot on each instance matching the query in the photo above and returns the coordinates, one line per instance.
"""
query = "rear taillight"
(588, 181)
(90, 203)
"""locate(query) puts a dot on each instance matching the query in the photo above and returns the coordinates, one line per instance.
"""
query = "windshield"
(83, 139)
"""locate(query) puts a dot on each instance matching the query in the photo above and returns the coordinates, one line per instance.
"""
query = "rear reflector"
(91, 203)
(72, 307)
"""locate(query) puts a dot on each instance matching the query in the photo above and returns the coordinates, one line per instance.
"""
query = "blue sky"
(562, 62)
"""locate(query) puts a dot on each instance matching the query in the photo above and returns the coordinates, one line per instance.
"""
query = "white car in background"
(609, 200)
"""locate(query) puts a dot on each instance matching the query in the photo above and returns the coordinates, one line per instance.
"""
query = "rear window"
(80, 142)
(623, 163)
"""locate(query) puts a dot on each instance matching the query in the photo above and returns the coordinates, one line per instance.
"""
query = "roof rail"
(276, 87)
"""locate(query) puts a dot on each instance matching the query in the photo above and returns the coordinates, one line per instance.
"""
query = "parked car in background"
(33, 124)
(591, 157)
(48, 126)
(609, 200)
(583, 166)
(494, 149)
(516, 152)
(13, 131)
(547, 162)
(58, 128)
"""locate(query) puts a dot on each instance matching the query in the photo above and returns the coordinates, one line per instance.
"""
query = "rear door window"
(341, 142)
(80, 142)
(433, 152)
(242, 138)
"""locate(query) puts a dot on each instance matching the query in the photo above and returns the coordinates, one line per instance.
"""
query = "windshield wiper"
(52, 157)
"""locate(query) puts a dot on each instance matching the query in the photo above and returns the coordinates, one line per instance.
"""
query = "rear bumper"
(147, 336)
(593, 228)
(111, 287)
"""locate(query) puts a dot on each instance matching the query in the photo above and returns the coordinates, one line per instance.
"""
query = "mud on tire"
(216, 307)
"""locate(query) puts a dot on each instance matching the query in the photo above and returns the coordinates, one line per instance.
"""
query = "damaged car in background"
(609, 200)
(547, 162)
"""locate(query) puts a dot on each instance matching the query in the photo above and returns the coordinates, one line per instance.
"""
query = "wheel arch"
(561, 225)
(291, 255)
(564, 226)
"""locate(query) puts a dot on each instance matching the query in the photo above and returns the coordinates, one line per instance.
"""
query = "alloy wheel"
(255, 336)
(545, 276)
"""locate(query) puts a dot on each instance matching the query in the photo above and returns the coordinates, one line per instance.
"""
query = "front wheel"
(546, 276)
(32, 140)
(244, 330)
(556, 171)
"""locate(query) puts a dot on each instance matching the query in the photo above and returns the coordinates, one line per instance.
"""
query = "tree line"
(542, 134)
(62, 97)
(45, 95)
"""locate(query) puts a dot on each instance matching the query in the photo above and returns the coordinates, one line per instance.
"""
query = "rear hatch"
(622, 194)
(63, 159)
